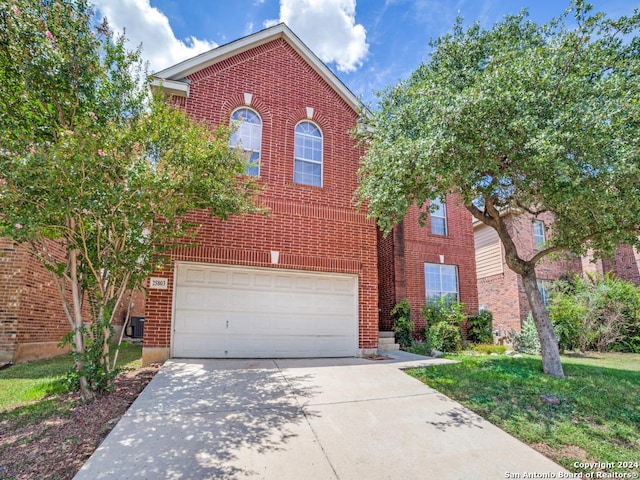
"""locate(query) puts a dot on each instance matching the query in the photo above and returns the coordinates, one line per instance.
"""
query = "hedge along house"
(302, 280)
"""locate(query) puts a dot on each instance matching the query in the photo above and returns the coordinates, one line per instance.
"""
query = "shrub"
(402, 324)
(443, 321)
(443, 310)
(597, 313)
(566, 315)
(480, 327)
(444, 337)
(527, 340)
(488, 348)
(95, 365)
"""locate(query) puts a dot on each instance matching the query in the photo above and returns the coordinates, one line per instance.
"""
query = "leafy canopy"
(519, 118)
(96, 175)
(536, 117)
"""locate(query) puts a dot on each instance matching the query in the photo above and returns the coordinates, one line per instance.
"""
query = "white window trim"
(443, 206)
(244, 107)
(544, 286)
(316, 162)
(441, 292)
(539, 239)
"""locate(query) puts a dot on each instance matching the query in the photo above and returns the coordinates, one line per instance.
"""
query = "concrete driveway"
(303, 420)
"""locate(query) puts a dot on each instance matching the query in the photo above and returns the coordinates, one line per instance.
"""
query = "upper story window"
(538, 234)
(248, 137)
(439, 217)
(307, 167)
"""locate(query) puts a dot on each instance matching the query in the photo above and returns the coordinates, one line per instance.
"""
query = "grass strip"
(597, 418)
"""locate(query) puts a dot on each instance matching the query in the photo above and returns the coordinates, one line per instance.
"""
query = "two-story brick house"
(500, 290)
(625, 263)
(302, 280)
(32, 321)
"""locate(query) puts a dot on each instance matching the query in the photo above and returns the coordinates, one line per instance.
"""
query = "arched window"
(307, 167)
(247, 137)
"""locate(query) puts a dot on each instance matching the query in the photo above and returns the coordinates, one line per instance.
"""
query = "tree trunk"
(100, 317)
(77, 316)
(548, 342)
(492, 216)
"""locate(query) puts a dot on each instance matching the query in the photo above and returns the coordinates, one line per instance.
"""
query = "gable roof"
(173, 79)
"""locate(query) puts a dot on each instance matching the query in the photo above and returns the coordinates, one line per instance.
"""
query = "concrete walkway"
(304, 420)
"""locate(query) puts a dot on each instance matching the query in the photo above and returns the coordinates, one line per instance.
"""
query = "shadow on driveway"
(312, 419)
(197, 418)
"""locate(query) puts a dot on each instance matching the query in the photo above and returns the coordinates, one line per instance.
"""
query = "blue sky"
(369, 44)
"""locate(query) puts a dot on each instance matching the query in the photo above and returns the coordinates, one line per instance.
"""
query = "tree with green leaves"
(95, 173)
(521, 117)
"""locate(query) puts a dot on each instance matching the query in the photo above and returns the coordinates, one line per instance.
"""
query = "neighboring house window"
(538, 234)
(439, 218)
(544, 286)
(248, 137)
(307, 168)
(441, 281)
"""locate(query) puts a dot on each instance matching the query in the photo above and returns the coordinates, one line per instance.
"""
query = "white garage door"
(239, 312)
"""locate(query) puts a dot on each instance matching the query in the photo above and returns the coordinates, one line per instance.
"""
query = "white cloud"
(328, 28)
(148, 26)
(270, 23)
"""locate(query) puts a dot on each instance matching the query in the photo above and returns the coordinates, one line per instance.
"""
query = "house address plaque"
(159, 283)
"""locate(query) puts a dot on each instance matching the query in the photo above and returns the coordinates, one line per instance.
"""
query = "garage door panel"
(263, 280)
(194, 276)
(283, 282)
(238, 312)
(342, 286)
(193, 346)
(267, 347)
(240, 279)
(324, 285)
(201, 323)
(304, 283)
(258, 346)
(203, 298)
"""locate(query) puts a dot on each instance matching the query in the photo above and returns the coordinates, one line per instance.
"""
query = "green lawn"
(597, 420)
(26, 382)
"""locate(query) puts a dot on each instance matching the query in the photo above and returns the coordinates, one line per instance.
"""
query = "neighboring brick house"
(301, 281)
(625, 264)
(417, 262)
(32, 321)
(500, 289)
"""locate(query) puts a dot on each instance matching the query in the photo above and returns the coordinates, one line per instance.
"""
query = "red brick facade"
(32, 321)
(625, 263)
(313, 228)
(503, 296)
(403, 254)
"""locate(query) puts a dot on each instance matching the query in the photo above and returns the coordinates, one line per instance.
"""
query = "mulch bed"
(57, 444)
